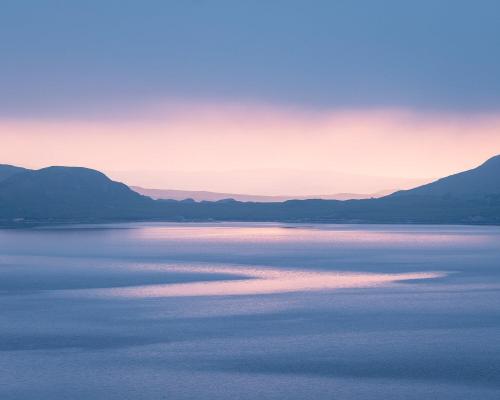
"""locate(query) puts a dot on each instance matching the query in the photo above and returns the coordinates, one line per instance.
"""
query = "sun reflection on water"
(256, 281)
(289, 233)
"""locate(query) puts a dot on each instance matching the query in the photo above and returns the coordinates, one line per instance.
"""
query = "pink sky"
(262, 150)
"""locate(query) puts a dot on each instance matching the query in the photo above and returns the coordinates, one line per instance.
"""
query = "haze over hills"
(283, 183)
(72, 194)
(202, 195)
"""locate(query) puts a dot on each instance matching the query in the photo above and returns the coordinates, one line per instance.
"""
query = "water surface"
(271, 311)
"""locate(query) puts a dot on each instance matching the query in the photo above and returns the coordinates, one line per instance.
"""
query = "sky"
(261, 97)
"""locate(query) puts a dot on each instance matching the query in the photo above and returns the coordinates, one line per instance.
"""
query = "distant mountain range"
(73, 194)
(202, 195)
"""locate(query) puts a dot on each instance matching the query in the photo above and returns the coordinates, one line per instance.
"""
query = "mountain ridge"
(65, 191)
(76, 194)
(205, 195)
(479, 181)
(7, 170)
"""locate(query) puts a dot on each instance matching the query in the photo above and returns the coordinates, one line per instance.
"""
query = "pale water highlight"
(263, 281)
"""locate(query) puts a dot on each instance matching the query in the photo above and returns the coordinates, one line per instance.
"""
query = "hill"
(67, 192)
(6, 171)
(476, 183)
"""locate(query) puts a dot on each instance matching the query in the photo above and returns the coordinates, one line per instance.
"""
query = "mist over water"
(247, 311)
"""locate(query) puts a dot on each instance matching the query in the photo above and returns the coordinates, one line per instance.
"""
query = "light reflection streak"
(334, 234)
(262, 281)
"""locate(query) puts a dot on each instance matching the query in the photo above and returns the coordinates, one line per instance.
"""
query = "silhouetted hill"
(6, 171)
(476, 183)
(67, 192)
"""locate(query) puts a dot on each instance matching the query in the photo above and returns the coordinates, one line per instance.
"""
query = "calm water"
(250, 311)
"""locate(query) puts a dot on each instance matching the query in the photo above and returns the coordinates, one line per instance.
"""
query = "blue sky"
(196, 94)
(84, 57)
